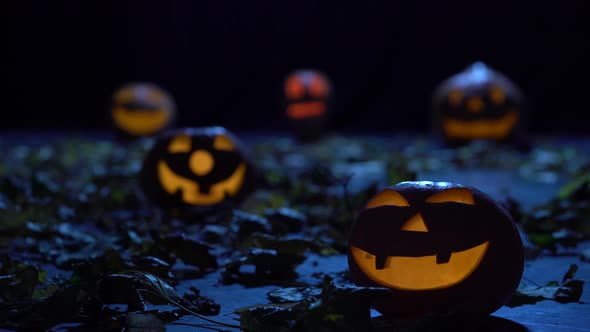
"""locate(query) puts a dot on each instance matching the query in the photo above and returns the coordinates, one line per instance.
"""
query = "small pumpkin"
(197, 168)
(141, 109)
(441, 248)
(478, 103)
(307, 96)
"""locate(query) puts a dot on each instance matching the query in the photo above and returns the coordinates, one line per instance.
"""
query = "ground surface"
(543, 316)
(530, 179)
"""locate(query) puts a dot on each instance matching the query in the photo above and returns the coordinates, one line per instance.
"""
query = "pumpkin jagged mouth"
(420, 273)
(172, 183)
(489, 128)
(141, 122)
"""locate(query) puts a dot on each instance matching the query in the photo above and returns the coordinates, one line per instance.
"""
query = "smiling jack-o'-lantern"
(141, 109)
(197, 167)
(307, 95)
(440, 247)
(478, 104)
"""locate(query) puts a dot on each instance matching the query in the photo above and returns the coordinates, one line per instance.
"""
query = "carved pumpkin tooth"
(380, 262)
(444, 257)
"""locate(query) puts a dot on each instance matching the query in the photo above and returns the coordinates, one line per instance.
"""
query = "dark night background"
(224, 61)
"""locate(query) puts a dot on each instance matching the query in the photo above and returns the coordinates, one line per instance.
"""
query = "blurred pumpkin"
(141, 109)
(197, 167)
(478, 103)
(307, 96)
(440, 247)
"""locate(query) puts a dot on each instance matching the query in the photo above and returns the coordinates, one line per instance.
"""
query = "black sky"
(224, 61)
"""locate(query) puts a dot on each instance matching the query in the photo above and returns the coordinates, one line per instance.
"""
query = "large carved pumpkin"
(197, 168)
(440, 247)
(478, 103)
(141, 109)
(307, 96)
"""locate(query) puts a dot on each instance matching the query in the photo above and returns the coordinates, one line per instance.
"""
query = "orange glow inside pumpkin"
(201, 162)
(180, 144)
(497, 95)
(459, 195)
(388, 197)
(455, 97)
(294, 89)
(420, 273)
(318, 87)
(475, 105)
(308, 109)
(140, 121)
(486, 129)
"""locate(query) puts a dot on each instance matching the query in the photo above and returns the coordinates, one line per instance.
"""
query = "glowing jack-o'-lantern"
(142, 109)
(197, 167)
(307, 95)
(440, 247)
(478, 104)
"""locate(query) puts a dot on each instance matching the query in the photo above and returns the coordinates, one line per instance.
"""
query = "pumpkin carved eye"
(458, 195)
(387, 197)
(497, 95)
(294, 89)
(141, 109)
(223, 143)
(318, 88)
(455, 98)
(180, 144)
(433, 258)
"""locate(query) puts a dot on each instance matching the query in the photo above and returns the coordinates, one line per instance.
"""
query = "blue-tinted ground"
(525, 186)
(543, 316)
(529, 190)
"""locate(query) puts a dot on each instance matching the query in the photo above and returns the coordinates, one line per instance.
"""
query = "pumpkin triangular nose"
(475, 104)
(415, 224)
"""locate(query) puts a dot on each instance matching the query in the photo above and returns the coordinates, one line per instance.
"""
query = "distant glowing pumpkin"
(307, 96)
(440, 247)
(478, 103)
(197, 167)
(142, 109)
